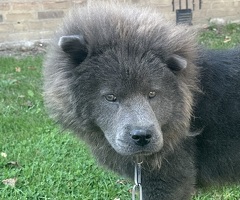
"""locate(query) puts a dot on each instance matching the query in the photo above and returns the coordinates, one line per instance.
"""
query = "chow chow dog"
(134, 86)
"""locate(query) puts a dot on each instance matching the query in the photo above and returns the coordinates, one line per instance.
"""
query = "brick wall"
(31, 20)
(35, 20)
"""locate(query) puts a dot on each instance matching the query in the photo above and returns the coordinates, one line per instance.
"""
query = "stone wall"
(26, 21)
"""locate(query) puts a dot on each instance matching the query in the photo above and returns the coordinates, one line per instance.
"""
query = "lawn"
(39, 161)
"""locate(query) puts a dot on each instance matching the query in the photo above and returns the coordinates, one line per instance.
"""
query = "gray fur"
(113, 72)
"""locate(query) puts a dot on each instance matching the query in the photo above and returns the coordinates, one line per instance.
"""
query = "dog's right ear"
(75, 46)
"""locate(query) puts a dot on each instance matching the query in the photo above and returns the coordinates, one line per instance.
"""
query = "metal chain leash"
(137, 180)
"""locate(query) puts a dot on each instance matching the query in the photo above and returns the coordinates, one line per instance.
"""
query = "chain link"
(137, 180)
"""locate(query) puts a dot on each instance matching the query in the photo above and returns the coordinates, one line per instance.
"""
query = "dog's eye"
(110, 97)
(151, 94)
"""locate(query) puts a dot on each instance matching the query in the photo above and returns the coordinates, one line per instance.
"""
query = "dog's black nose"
(141, 137)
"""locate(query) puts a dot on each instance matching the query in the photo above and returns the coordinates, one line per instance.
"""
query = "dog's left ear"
(75, 46)
(176, 63)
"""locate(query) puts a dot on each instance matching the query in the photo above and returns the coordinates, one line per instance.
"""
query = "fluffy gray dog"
(133, 85)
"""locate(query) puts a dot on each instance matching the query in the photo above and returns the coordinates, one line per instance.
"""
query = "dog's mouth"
(141, 153)
(131, 149)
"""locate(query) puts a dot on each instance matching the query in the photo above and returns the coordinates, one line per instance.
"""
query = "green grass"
(221, 37)
(48, 164)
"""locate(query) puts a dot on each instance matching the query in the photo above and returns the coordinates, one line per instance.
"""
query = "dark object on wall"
(184, 16)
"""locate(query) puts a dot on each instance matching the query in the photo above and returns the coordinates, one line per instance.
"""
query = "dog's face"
(133, 103)
(134, 98)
